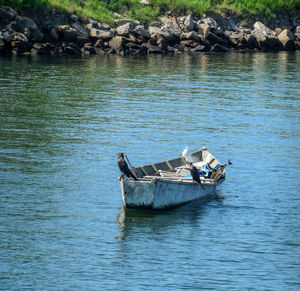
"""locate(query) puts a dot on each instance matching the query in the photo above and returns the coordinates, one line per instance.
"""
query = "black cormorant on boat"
(124, 167)
(195, 174)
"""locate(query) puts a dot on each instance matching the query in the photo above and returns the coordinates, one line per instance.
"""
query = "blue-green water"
(62, 123)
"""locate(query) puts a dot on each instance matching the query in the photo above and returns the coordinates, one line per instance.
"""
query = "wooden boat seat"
(175, 163)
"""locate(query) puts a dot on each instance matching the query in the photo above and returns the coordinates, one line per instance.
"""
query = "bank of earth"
(27, 33)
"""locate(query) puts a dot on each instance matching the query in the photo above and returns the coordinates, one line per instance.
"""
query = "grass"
(107, 10)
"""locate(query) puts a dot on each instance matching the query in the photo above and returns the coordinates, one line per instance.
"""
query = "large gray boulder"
(125, 29)
(265, 37)
(173, 28)
(261, 29)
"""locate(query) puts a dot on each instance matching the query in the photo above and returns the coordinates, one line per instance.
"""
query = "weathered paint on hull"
(162, 194)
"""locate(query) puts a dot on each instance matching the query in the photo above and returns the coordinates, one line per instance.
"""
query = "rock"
(210, 22)
(95, 24)
(286, 39)
(198, 49)
(100, 34)
(213, 39)
(67, 33)
(234, 38)
(71, 49)
(132, 38)
(99, 43)
(219, 48)
(191, 36)
(171, 28)
(152, 49)
(144, 2)
(28, 27)
(117, 43)
(189, 43)
(18, 43)
(231, 26)
(17, 39)
(53, 34)
(135, 49)
(7, 15)
(42, 49)
(261, 29)
(297, 45)
(88, 47)
(203, 30)
(297, 33)
(162, 44)
(189, 23)
(265, 37)
(125, 29)
(170, 31)
(278, 30)
(251, 42)
(140, 30)
(154, 30)
(81, 30)
(74, 18)
(242, 41)
(268, 43)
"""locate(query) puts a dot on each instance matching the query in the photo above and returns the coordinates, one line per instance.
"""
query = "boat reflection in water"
(136, 221)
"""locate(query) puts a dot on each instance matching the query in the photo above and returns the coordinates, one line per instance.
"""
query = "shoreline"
(22, 35)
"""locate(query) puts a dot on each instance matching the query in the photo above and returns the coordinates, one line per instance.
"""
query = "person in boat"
(124, 167)
(195, 174)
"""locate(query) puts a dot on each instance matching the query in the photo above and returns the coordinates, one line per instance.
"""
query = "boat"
(169, 184)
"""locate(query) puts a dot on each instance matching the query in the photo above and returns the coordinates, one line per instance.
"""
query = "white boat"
(169, 184)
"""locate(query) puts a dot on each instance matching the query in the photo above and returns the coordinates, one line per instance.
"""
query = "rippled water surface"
(62, 123)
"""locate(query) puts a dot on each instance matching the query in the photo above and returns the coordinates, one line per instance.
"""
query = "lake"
(62, 123)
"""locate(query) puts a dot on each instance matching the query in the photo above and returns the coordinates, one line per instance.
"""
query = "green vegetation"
(107, 10)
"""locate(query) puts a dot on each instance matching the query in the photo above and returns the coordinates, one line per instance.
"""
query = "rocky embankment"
(21, 35)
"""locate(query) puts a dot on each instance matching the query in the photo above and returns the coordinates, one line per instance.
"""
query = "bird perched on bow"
(186, 155)
(195, 174)
(124, 167)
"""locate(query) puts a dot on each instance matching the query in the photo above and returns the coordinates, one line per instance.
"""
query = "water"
(63, 121)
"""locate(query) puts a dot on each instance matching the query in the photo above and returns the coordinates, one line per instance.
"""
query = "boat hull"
(162, 194)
